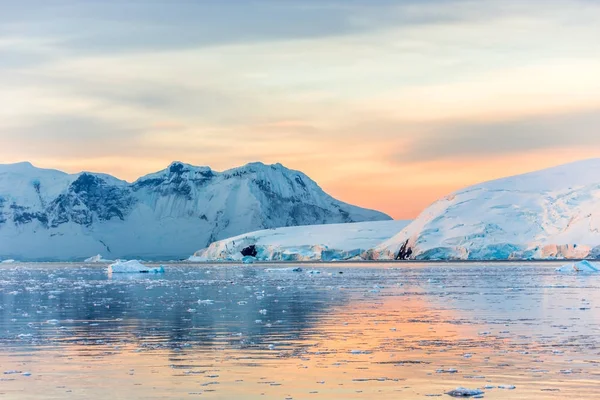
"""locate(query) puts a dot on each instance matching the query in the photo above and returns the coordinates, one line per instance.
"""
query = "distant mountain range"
(549, 214)
(50, 215)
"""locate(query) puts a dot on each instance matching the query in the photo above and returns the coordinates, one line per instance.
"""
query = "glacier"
(302, 243)
(49, 215)
(548, 214)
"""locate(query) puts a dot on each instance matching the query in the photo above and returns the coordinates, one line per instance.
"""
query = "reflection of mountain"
(83, 305)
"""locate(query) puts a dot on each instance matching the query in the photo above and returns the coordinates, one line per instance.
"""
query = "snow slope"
(51, 215)
(548, 214)
(303, 243)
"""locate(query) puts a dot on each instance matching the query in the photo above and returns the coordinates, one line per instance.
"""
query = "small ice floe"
(464, 392)
(132, 267)
(12, 372)
(566, 371)
(248, 260)
(205, 302)
(579, 267)
(9, 261)
(507, 387)
(298, 269)
(447, 371)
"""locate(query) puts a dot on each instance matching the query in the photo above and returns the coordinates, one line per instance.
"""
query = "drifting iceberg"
(133, 266)
(464, 392)
(96, 259)
(578, 267)
(10, 261)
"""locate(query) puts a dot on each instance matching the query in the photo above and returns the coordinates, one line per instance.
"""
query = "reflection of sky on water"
(85, 304)
(373, 331)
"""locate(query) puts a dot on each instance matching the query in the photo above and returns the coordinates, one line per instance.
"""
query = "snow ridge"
(548, 214)
(51, 215)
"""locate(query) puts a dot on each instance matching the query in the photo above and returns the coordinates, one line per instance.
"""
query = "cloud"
(456, 140)
(388, 93)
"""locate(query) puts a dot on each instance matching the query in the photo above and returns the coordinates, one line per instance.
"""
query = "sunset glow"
(386, 104)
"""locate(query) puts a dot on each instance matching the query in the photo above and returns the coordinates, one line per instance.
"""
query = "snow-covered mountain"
(51, 215)
(554, 213)
(303, 243)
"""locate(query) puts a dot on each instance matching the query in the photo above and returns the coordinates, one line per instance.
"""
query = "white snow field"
(549, 214)
(304, 243)
(133, 267)
(50, 215)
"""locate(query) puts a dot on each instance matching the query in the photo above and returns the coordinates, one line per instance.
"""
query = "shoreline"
(315, 262)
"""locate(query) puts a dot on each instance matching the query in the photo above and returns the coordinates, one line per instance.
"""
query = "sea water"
(323, 331)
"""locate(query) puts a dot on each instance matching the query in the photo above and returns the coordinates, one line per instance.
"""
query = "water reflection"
(347, 332)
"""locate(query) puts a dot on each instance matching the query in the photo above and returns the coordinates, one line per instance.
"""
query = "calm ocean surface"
(352, 331)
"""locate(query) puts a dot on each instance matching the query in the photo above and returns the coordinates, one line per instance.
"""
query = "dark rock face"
(179, 180)
(88, 198)
(22, 215)
(3, 217)
(405, 252)
(249, 251)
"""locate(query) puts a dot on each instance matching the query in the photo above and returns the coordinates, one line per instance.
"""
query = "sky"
(386, 104)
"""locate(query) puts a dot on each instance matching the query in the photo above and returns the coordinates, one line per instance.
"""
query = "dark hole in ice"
(249, 251)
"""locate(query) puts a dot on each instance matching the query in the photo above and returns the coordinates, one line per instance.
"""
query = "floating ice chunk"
(12, 372)
(248, 260)
(298, 269)
(507, 387)
(447, 371)
(464, 392)
(582, 266)
(9, 261)
(205, 302)
(133, 266)
(96, 259)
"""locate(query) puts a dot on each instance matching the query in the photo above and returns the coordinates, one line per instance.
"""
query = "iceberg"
(96, 259)
(10, 261)
(579, 267)
(464, 392)
(132, 267)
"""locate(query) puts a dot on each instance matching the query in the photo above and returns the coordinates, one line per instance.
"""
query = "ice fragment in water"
(582, 266)
(464, 392)
(133, 266)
